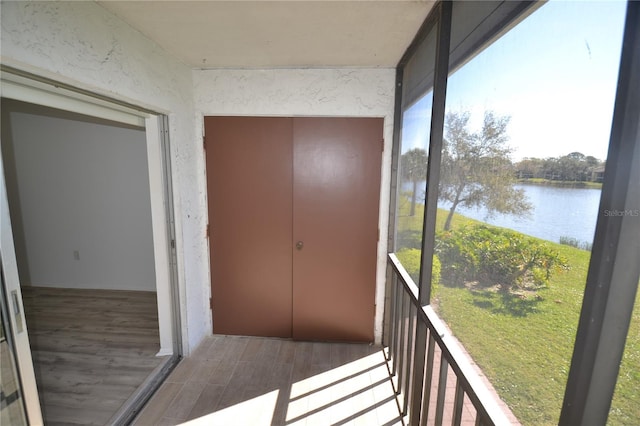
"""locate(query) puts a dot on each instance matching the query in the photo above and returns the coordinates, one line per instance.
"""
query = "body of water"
(557, 212)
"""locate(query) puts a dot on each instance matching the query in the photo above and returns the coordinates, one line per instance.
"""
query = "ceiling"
(278, 34)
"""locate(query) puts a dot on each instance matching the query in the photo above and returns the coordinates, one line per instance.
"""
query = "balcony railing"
(425, 359)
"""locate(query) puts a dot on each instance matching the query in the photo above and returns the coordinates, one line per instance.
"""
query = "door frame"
(17, 321)
(28, 87)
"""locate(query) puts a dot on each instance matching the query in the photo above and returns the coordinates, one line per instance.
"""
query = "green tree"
(529, 168)
(476, 169)
(413, 168)
(574, 166)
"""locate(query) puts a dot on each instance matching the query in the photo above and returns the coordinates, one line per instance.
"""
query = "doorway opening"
(93, 257)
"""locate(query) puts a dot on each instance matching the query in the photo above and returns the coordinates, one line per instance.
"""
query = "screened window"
(517, 169)
(527, 124)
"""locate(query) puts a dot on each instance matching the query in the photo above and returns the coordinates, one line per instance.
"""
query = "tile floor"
(237, 380)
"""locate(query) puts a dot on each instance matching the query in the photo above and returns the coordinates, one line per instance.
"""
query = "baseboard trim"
(165, 352)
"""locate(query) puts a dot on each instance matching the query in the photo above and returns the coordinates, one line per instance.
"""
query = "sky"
(554, 74)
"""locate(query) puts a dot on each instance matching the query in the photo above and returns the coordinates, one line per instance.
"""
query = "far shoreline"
(560, 183)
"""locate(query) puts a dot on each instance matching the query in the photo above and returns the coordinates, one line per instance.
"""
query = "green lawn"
(527, 355)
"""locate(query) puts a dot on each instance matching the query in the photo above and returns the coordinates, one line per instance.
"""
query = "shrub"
(496, 256)
(458, 259)
(410, 259)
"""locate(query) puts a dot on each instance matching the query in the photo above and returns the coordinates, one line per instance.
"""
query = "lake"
(557, 212)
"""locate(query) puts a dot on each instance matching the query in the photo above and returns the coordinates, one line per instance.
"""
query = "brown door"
(335, 216)
(293, 206)
(249, 181)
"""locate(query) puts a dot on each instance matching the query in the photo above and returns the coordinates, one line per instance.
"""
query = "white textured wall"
(308, 92)
(81, 187)
(82, 44)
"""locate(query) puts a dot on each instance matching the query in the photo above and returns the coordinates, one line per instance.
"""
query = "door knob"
(299, 245)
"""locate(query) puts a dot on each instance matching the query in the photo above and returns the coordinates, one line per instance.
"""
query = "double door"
(293, 222)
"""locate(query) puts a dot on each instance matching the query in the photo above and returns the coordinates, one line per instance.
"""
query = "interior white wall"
(82, 44)
(81, 187)
(309, 92)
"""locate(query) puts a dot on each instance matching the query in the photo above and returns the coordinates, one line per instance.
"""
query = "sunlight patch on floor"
(324, 384)
(255, 411)
(355, 393)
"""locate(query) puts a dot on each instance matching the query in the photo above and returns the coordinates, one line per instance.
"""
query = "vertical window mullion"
(431, 197)
(435, 151)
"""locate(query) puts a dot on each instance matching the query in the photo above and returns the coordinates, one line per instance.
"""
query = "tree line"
(573, 167)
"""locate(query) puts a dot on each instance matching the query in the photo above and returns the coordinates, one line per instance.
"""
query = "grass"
(527, 355)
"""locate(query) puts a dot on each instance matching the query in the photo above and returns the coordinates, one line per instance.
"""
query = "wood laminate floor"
(234, 380)
(91, 350)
